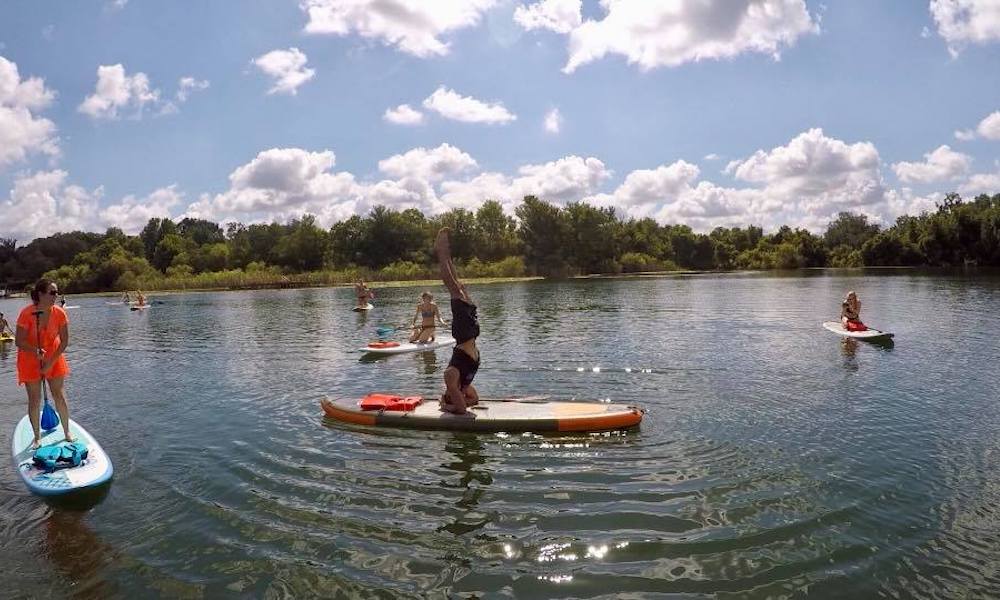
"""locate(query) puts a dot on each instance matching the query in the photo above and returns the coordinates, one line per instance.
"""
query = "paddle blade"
(50, 420)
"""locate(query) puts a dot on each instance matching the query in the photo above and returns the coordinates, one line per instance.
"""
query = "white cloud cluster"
(413, 26)
(961, 22)
(452, 105)
(115, 92)
(657, 34)
(804, 183)
(282, 183)
(988, 128)
(942, 164)
(286, 68)
(981, 183)
(428, 164)
(560, 16)
(43, 204)
(131, 214)
(22, 132)
(186, 85)
(404, 114)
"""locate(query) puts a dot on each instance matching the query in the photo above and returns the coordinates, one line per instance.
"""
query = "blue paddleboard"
(92, 472)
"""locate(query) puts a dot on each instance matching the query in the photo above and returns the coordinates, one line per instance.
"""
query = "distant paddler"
(5, 327)
(850, 313)
(363, 294)
(126, 299)
(140, 298)
(42, 338)
(429, 317)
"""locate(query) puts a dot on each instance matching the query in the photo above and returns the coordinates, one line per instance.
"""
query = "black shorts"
(466, 365)
(464, 321)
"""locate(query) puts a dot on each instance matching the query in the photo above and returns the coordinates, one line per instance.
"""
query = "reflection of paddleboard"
(361, 308)
(94, 471)
(870, 334)
(493, 415)
(442, 341)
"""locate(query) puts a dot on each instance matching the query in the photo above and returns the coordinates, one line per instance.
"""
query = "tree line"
(539, 239)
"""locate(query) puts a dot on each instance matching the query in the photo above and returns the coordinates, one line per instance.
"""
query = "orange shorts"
(28, 370)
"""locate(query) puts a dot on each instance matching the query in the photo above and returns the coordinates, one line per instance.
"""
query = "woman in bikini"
(363, 293)
(429, 316)
(42, 338)
(850, 313)
(459, 393)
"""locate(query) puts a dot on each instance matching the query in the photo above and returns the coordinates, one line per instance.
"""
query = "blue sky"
(706, 112)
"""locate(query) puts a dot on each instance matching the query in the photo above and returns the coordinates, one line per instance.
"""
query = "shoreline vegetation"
(540, 240)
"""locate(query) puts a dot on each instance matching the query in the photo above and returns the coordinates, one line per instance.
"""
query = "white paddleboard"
(519, 414)
(870, 334)
(137, 307)
(6, 338)
(441, 341)
(368, 306)
(94, 471)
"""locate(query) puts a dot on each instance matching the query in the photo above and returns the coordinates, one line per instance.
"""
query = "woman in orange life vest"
(43, 321)
(850, 313)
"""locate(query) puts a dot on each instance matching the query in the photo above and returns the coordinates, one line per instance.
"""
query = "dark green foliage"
(544, 239)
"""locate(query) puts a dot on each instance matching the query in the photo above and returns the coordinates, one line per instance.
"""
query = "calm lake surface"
(775, 460)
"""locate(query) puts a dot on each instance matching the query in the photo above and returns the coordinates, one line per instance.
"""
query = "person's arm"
(21, 340)
(437, 314)
(416, 316)
(63, 342)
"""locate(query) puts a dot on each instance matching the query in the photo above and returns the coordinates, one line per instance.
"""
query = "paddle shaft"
(41, 353)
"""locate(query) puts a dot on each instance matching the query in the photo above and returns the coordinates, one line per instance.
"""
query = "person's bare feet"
(441, 242)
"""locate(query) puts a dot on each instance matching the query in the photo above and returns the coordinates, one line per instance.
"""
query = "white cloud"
(989, 127)
(279, 184)
(712, 156)
(803, 183)
(131, 214)
(186, 85)
(43, 204)
(940, 165)
(404, 114)
(965, 135)
(428, 164)
(961, 22)
(981, 183)
(451, 105)
(553, 121)
(658, 34)
(565, 180)
(560, 16)
(413, 26)
(21, 131)
(287, 69)
(116, 91)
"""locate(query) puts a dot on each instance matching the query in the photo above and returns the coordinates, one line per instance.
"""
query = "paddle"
(50, 420)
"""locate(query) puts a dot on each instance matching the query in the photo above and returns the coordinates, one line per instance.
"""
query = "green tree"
(849, 230)
(543, 232)
(496, 233)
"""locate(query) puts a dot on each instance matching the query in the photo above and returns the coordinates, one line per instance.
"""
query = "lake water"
(774, 460)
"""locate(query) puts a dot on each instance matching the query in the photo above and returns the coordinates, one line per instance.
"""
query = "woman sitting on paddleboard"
(42, 337)
(363, 293)
(140, 298)
(4, 326)
(850, 313)
(459, 394)
(429, 316)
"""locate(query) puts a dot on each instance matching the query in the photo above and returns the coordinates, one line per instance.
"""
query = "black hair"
(42, 285)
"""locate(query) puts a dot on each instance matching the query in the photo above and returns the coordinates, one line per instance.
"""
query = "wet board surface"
(442, 341)
(94, 471)
(513, 415)
(870, 334)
